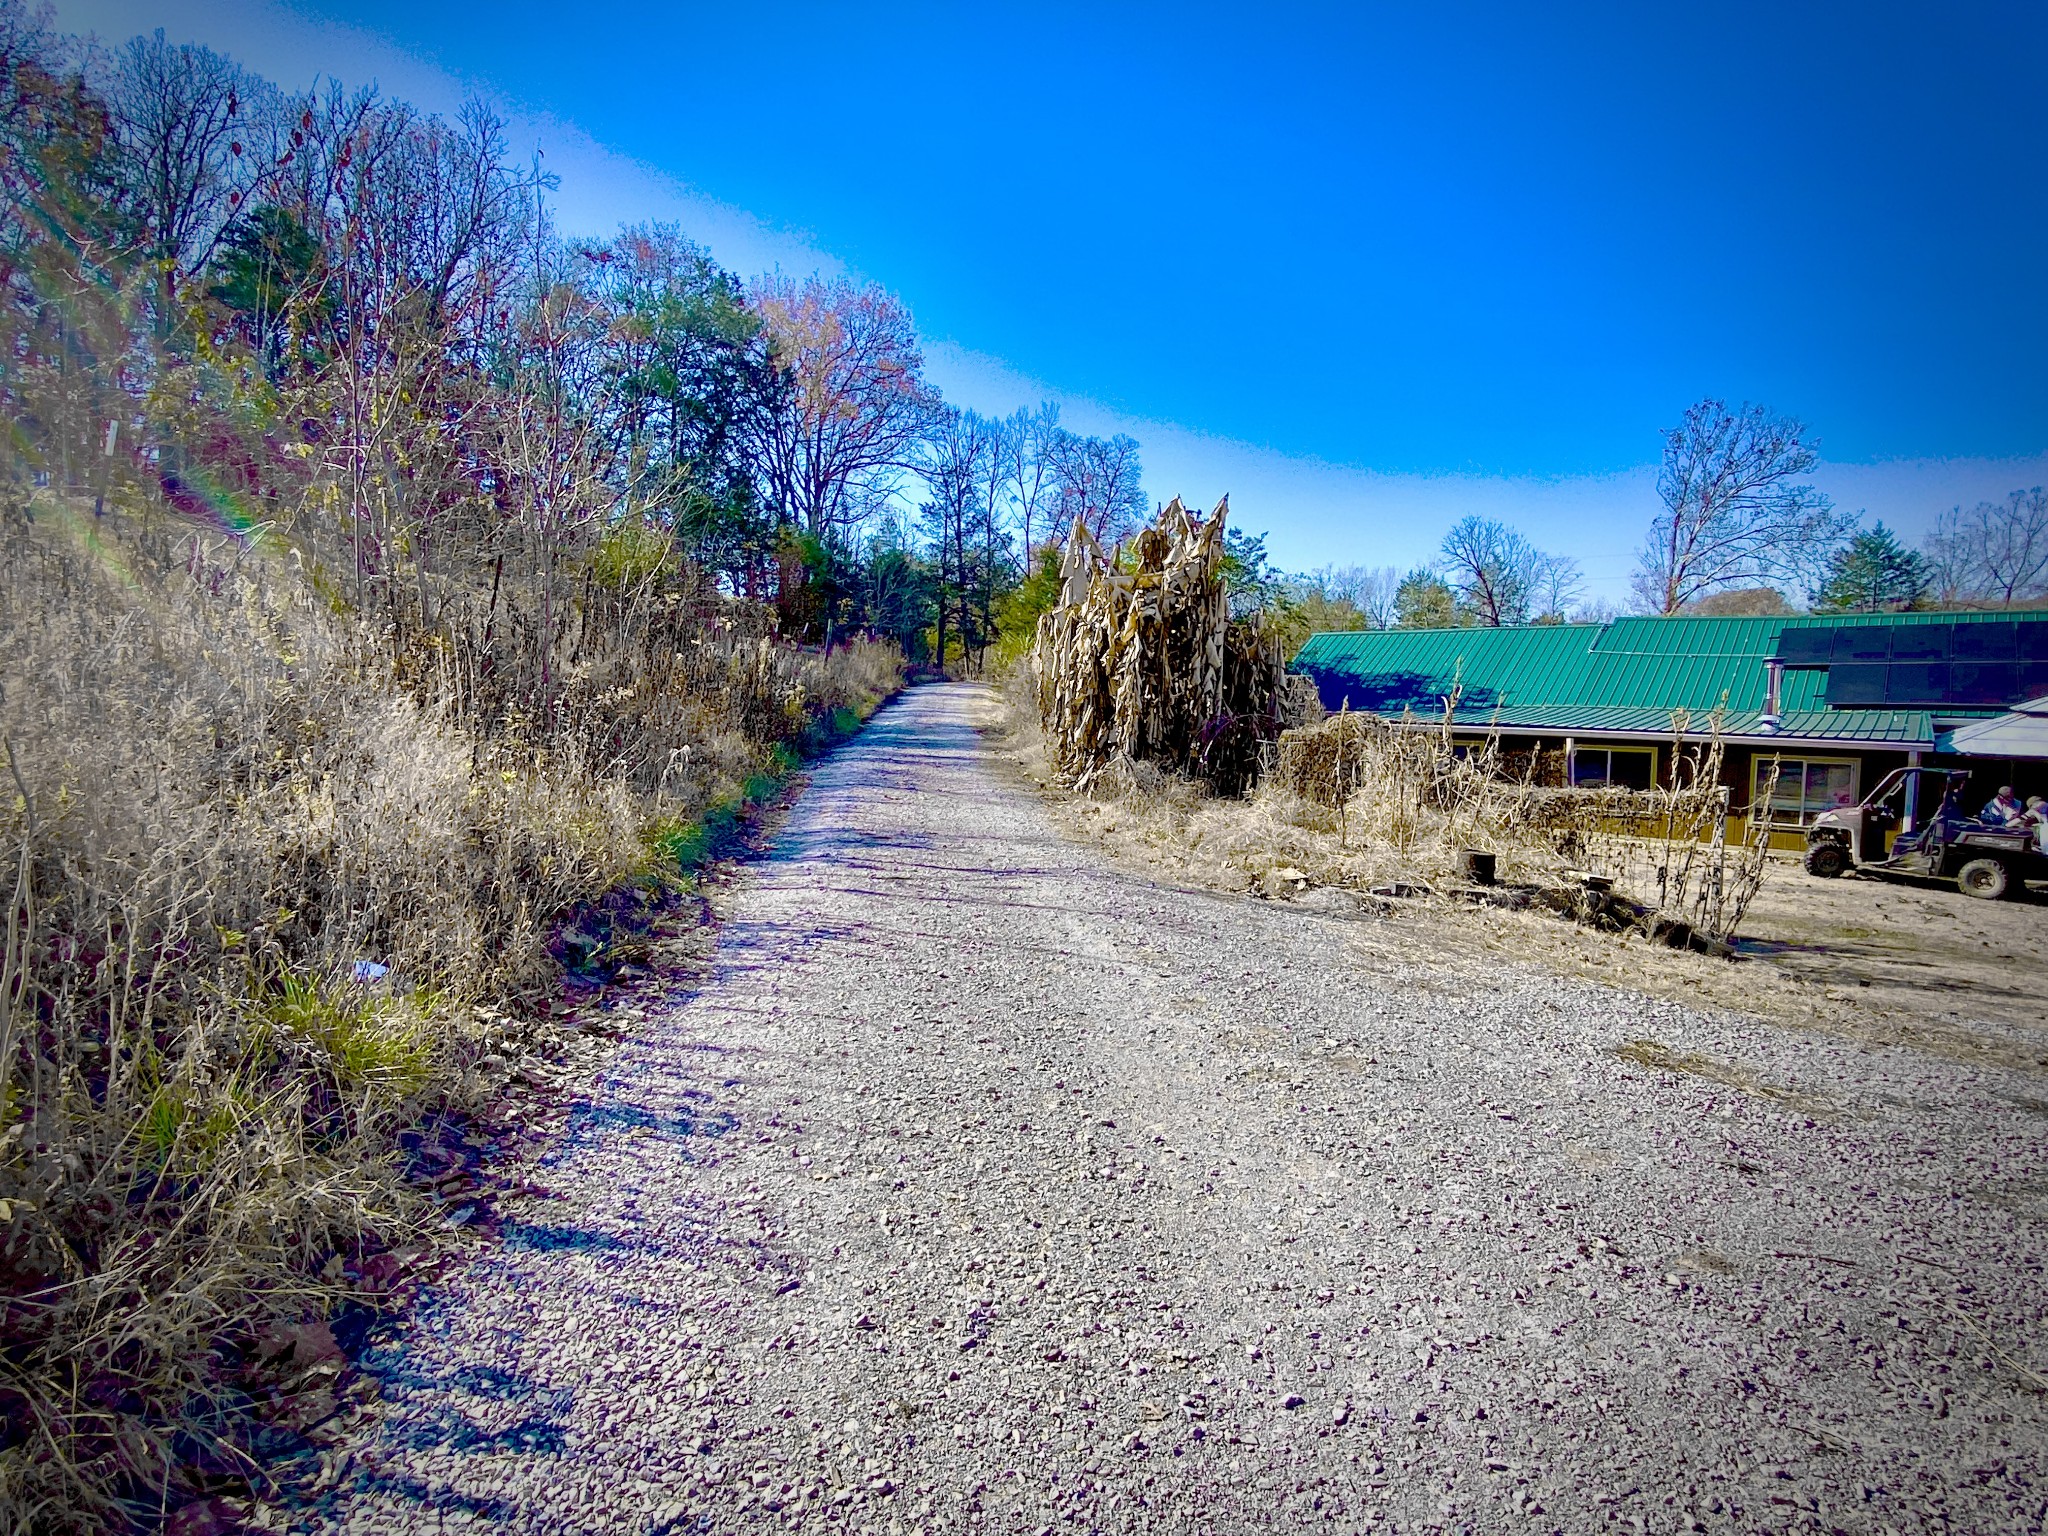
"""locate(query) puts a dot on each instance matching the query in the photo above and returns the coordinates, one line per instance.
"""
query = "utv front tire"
(1987, 879)
(1827, 860)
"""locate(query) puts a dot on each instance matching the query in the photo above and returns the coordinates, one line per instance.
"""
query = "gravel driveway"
(985, 1187)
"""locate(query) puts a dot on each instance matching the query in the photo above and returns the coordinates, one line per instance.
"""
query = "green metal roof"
(1393, 669)
(1906, 727)
(1626, 676)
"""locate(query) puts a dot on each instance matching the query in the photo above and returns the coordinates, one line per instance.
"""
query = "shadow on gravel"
(767, 946)
(396, 1367)
(415, 1492)
(538, 1237)
(449, 1427)
(484, 1411)
(591, 1122)
(532, 1437)
(840, 843)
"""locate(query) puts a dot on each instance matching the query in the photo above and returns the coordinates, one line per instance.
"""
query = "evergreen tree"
(266, 263)
(1425, 601)
(1254, 585)
(1873, 573)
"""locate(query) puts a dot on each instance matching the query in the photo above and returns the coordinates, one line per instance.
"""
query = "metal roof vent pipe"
(1774, 682)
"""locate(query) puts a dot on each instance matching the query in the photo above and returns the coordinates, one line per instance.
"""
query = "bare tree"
(178, 109)
(963, 468)
(421, 233)
(997, 496)
(1735, 513)
(335, 128)
(548, 453)
(1372, 589)
(1951, 561)
(1993, 555)
(1492, 569)
(419, 222)
(1555, 587)
(1367, 590)
(859, 408)
(1097, 482)
(35, 63)
(1029, 462)
(430, 208)
(457, 214)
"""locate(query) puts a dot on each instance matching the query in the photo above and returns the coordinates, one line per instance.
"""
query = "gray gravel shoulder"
(983, 1186)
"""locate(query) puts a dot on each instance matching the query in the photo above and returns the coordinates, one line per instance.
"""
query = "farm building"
(1834, 702)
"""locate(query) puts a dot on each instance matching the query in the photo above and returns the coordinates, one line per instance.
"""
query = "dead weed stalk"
(276, 871)
(1364, 802)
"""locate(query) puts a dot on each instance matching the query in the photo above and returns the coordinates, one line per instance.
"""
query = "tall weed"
(270, 866)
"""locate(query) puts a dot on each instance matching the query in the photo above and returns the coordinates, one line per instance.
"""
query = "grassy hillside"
(279, 873)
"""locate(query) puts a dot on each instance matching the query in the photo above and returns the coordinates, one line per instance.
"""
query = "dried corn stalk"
(1141, 660)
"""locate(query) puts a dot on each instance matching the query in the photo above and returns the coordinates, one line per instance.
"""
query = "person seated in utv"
(1949, 817)
(2004, 810)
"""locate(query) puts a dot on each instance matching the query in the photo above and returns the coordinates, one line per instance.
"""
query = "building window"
(1614, 767)
(1806, 786)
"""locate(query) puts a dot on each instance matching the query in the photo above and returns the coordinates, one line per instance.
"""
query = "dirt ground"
(979, 1183)
(1925, 949)
(1888, 965)
(1862, 958)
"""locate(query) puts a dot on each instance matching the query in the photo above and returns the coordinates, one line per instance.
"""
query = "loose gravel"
(983, 1186)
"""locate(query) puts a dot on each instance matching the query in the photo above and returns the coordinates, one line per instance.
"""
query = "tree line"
(332, 309)
(1739, 529)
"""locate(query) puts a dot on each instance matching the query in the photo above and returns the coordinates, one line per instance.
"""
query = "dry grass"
(1359, 802)
(1662, 1058)
(275, 876)
(1886, 966)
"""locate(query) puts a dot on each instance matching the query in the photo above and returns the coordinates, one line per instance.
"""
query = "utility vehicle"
(1984, 860)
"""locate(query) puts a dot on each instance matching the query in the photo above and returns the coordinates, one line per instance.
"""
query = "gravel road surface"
(983, 1186)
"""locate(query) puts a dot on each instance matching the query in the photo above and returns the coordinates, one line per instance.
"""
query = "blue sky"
(1367, 272)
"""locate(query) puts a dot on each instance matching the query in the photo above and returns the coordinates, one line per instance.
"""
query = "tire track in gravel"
(984, 1187)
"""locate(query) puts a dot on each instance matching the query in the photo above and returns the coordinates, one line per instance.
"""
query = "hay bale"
(1328, 762)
